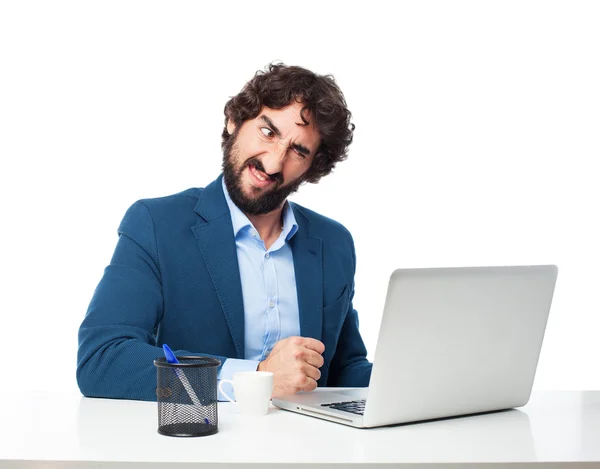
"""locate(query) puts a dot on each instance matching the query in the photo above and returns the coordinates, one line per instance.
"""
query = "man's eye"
(267, 132)
(298, 154)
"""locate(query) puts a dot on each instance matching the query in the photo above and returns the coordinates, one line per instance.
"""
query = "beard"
(261, 203)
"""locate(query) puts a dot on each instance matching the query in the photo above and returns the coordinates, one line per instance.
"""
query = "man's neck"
(269, 225)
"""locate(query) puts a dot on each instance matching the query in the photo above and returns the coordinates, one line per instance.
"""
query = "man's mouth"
(259, 178)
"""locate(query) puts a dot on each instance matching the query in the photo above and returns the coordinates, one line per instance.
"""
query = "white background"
(476, 143)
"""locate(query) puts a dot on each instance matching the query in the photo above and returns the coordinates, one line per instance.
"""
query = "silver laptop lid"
(458, 340)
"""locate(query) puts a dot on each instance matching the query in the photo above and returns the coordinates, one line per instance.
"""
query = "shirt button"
(267, 353)
(271, 304)
(253, 234)
(267, 255)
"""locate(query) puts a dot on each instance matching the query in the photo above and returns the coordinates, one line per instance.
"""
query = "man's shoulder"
(188, 197)
(165, 210)
(320, 224)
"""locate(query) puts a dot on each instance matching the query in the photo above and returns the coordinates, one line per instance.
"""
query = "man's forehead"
(294, 111)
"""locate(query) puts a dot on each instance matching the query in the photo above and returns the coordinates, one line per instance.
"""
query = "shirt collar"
(239, 220)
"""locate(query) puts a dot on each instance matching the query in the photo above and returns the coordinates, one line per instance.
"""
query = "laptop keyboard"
(354, 407)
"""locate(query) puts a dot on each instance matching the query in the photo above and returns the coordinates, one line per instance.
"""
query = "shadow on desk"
(484, 436)
(454, 418)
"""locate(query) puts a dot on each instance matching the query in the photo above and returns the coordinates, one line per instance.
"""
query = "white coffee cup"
(252, 389)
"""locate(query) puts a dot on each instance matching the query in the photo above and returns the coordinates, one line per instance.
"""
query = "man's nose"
(273, 161)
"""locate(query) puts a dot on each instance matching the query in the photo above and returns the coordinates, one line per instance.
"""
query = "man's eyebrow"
(296, 146)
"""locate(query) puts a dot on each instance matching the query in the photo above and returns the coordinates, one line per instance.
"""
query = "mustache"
(277, 177)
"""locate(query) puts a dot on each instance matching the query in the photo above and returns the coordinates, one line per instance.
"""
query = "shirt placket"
(271, 308)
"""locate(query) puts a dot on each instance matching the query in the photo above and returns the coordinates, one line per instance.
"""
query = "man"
(233, 270)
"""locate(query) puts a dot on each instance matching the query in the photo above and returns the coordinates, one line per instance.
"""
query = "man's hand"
(295, 364)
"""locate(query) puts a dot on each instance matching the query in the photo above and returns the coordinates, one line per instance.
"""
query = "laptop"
(452, 342)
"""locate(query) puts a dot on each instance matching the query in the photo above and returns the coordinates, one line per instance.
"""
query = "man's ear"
(230, 126)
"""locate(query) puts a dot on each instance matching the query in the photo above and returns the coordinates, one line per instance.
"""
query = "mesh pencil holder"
(187, 396)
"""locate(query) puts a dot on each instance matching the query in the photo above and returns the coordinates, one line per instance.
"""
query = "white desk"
(557, 429)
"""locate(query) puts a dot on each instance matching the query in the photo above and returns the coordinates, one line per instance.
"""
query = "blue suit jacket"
(174, 278)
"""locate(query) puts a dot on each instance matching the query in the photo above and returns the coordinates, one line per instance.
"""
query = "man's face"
(268, 158)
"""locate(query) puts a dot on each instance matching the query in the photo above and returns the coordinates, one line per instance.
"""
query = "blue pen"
(171, 358)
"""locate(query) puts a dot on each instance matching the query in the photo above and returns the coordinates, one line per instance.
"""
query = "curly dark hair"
(276, 87)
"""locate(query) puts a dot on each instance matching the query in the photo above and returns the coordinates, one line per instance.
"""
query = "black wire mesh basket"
(187, 396)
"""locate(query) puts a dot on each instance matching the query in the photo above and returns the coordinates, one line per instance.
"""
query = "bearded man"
(234, 270)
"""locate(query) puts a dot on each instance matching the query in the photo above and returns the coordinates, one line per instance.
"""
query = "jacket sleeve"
(117, 344)
(349, 365)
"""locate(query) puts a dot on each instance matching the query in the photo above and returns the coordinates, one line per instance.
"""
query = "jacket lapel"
(308, 268)
(214, 234)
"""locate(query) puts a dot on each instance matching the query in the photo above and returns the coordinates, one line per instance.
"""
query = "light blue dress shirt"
(268, 290)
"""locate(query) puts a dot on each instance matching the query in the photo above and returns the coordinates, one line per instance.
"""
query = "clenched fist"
(295, 364)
